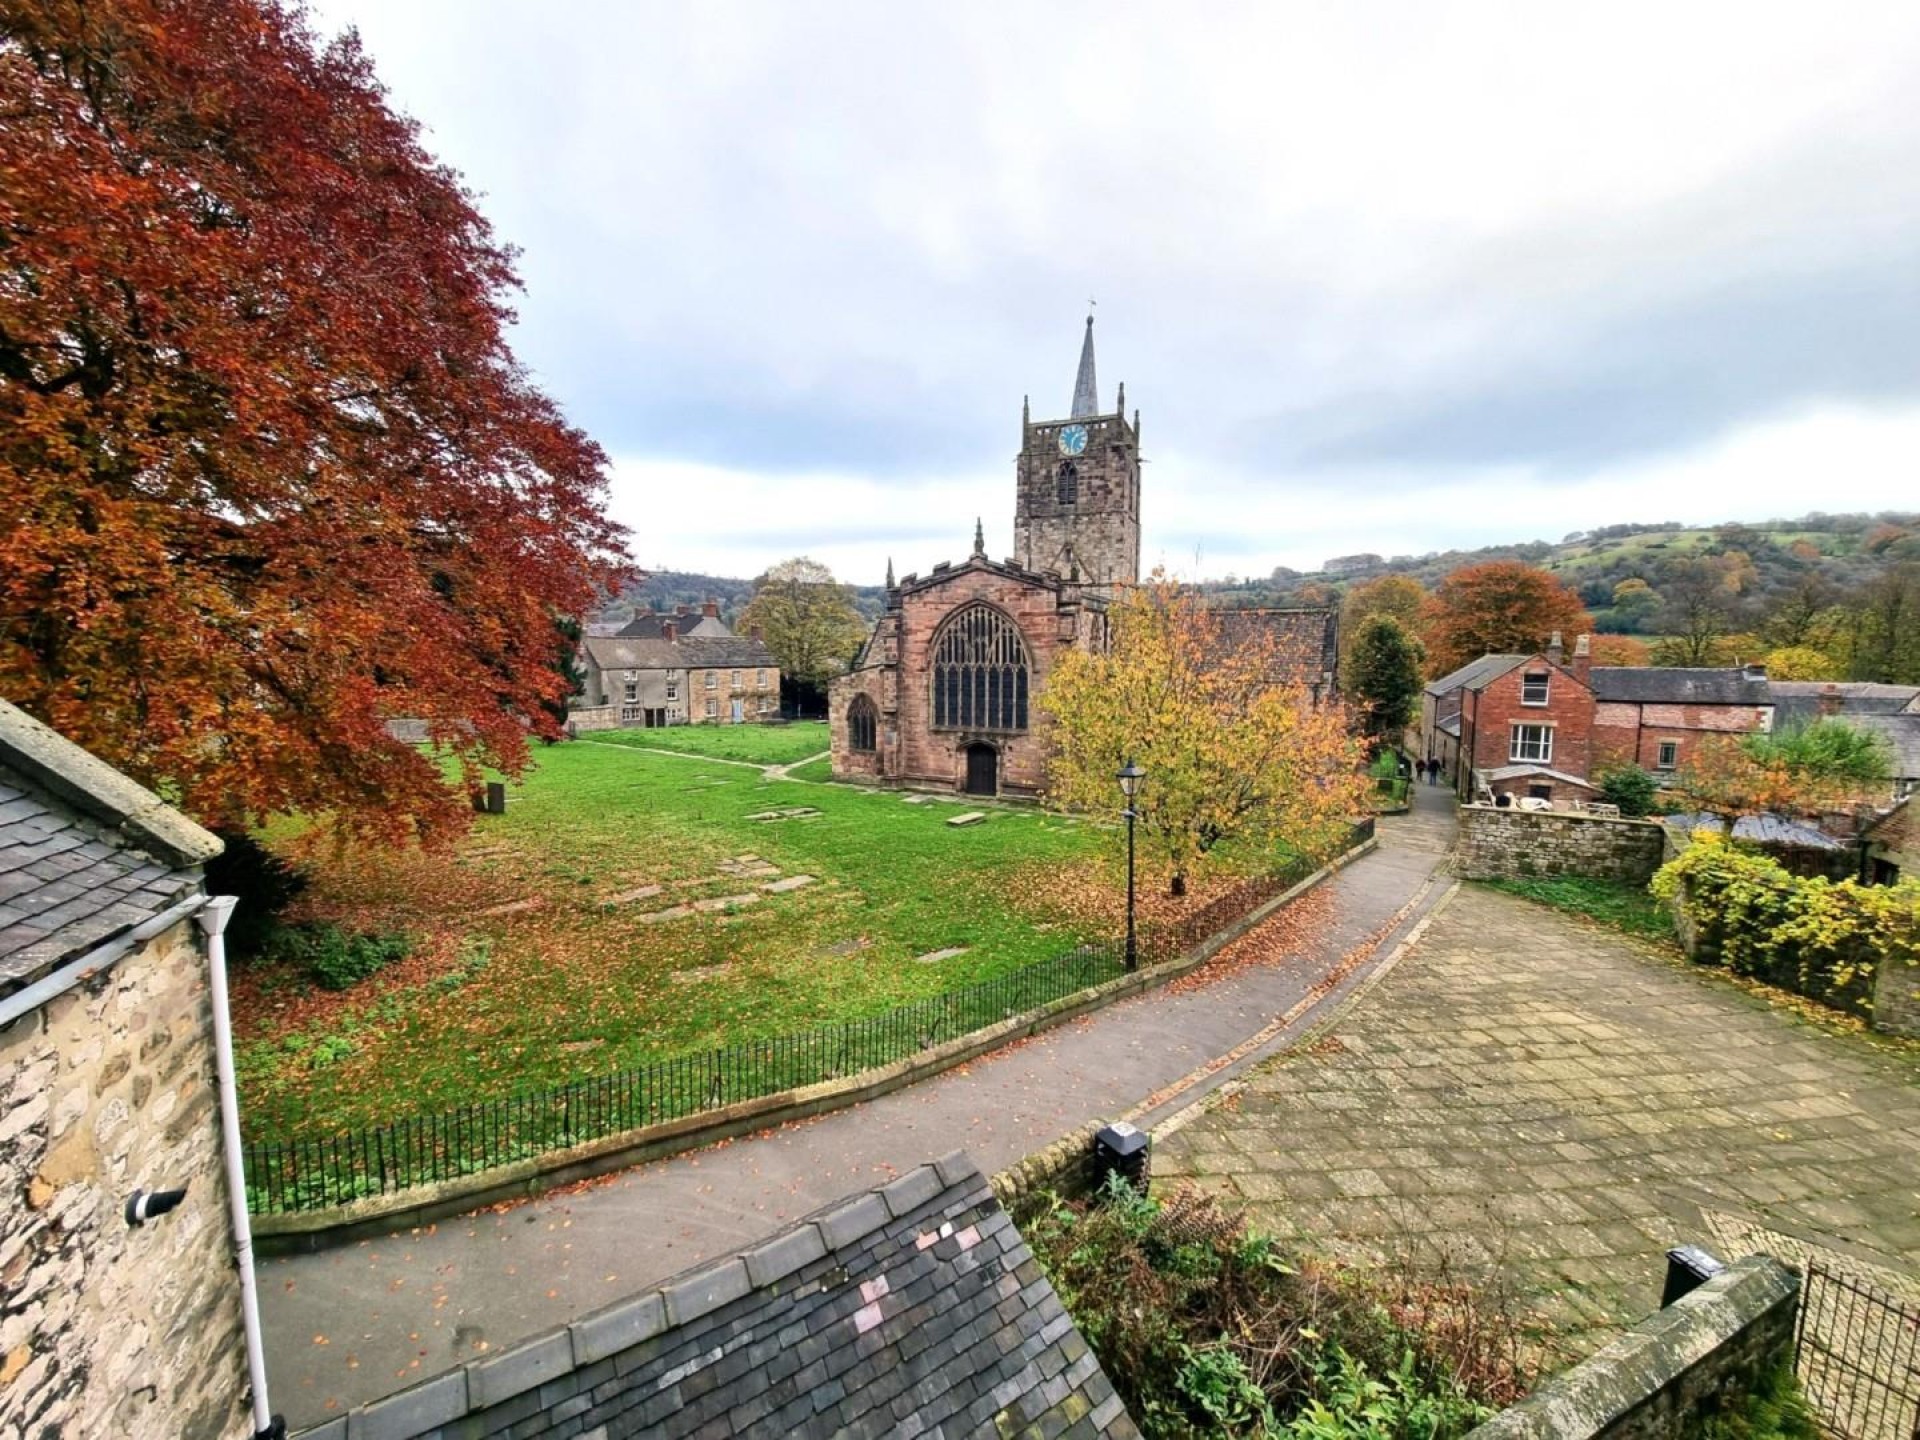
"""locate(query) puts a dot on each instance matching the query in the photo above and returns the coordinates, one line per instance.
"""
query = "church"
(942, 695)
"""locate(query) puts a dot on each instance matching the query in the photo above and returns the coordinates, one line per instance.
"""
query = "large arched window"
(980, 672)
(1066, 483)
(862, 720)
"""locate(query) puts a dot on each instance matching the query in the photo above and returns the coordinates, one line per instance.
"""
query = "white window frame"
(1527, 678)
(736, 679)
(713, 679)
(1521, 745)
(713, 709)
(673, 689)
(760, 679)
(1666, 755)
(632, 692)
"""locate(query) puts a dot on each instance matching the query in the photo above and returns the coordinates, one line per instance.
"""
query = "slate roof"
(1678, 685)
(84, 852)
(1764, 830)
(1857, 697)
(915, 1309)
(647, 627)
(693, 652)
(1522, 771)
(1306, 641)
(1902, 734)
(1475, 673)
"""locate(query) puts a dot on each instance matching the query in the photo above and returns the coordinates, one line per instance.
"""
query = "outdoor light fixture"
(1130, 779)
(145, 1205)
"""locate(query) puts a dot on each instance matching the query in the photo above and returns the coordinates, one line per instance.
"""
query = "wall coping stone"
(1609, 1384)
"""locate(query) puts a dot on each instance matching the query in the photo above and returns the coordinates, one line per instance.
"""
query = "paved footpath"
(349, 1325)
(1528, 1093)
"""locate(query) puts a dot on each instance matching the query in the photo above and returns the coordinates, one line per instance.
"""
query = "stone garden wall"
(1505, 844)
(109, 1330)
(1670, 1368)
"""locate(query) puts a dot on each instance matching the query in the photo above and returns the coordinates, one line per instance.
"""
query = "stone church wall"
(937, 758)
(110, 1330)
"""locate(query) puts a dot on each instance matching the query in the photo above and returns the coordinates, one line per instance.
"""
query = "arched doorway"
(983, 769)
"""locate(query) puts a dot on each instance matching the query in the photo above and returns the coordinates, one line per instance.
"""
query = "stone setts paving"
(1527, 1091)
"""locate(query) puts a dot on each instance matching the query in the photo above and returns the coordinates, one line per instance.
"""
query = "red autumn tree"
(269, 473)
(1498, 607)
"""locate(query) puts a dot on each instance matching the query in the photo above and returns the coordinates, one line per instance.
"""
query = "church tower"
(1078, 508)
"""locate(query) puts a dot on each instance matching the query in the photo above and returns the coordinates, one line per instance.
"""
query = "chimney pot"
(1556, 649)
(1582, 656)
(711, 609)
(667, 630)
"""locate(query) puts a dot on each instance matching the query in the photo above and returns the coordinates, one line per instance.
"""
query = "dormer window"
(1533, 687)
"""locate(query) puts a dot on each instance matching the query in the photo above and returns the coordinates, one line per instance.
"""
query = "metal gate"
(1857, 1352)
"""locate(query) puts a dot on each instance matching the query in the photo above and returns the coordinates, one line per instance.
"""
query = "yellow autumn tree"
(1240, 771)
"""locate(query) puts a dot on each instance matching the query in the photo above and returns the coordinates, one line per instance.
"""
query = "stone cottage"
(679, 669)
(107, 1089)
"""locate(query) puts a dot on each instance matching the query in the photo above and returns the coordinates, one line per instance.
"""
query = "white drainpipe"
(213, 920)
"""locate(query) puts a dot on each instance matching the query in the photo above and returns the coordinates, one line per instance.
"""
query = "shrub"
(336, 959)
(1208, 1330)
(264, 884)
(1629, 787)
(1822, 939)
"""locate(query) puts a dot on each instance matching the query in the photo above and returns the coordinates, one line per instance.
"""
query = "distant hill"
(1842, 551)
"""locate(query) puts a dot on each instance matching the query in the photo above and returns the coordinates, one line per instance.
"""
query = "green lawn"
(572, 982)
(760, 744)
(1626, 908)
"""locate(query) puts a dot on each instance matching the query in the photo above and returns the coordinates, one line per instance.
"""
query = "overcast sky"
(1387, 277)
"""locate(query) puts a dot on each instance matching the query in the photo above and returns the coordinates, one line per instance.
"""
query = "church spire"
(979, 538)
(890, 584)
(1086, 394)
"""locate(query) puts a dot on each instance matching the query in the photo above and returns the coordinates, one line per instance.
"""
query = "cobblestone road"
(1525, 1090)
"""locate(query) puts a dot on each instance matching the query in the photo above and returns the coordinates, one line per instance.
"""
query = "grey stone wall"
(107, 1330)
(1896, 998)
(1669, 1369)
(1506, 844)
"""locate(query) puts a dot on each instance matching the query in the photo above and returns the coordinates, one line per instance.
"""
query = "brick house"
(1656, 717)
(107, 1086)
(1522, 725)
(655, 673)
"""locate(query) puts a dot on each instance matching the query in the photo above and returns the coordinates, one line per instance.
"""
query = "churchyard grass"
(534, 964)
(756, 744)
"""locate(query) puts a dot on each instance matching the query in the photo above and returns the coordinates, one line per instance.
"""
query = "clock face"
(1073, 440)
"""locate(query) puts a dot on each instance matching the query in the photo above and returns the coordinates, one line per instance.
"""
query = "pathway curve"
(1528, 1092)
(348, 1325)
(769, 772)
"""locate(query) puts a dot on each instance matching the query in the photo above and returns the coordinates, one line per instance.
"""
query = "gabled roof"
(85, 853)
(1678, 685)
(945, 574)
(1525, 771)
(647, 627)
(1476, 673)
(695, 652)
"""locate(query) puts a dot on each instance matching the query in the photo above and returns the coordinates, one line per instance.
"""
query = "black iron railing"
(1858, 1356)
(316, 1172)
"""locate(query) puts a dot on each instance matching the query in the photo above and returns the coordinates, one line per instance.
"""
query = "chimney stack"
(755, 633)
(1556, 649)
(1582, 657)
(667, 631)
(711, 609)
(681, 609)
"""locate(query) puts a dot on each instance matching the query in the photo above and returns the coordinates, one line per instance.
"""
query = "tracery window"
(980, 672)
(1066, 483)
(861, 719)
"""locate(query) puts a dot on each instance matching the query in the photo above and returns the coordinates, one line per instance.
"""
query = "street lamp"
(1130, 779)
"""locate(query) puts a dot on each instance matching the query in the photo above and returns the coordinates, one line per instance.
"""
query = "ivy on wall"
(1823, 939)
